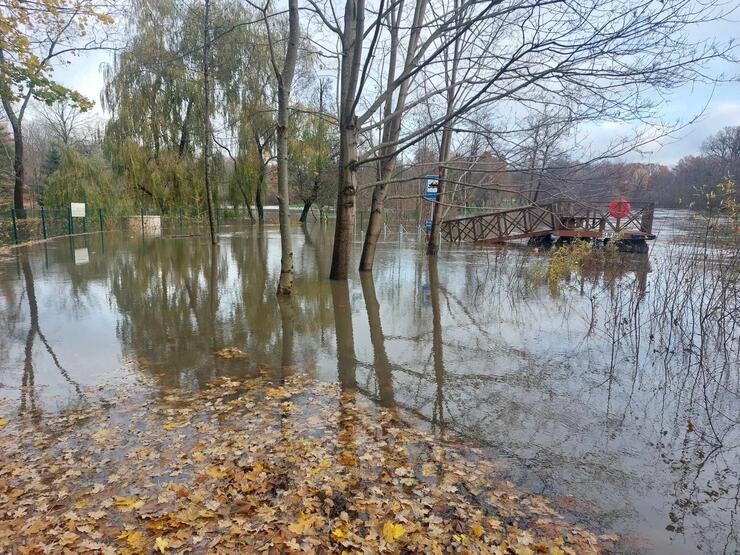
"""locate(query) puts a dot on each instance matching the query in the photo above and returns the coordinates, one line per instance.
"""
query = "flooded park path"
(613, 392)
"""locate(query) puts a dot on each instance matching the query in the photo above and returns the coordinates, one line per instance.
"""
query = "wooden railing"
(558, 218)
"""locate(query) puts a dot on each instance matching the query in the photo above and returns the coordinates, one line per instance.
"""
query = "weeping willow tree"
(86, 178)
(245, 101)
(153, 91)
(313, 153)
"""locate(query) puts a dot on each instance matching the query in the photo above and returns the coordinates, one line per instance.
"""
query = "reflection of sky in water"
(515, 369)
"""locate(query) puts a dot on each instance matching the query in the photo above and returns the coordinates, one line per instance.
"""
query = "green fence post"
(15, 226)
(180, 218)
(100, 218)
(218, 218)
(70, 222)
(84, 223)
(43, 222)
(142, 221)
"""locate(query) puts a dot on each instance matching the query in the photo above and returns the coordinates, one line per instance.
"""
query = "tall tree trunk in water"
(258, 202)
(391, 128)
(304, 213)
(444, 152)
(285, 82)
(444, 148)
(354, 29)
(207, 121)
(249, 209)
(345, 202)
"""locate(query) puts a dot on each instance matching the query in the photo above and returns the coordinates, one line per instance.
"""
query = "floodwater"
(615, 393)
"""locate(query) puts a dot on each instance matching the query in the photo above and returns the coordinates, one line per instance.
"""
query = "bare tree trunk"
(20, 171)
(207, 121)
(285, 81)
(444, 149)
(354, 28)
(16, 122)
(374, 228)
(304, 213)
(258, 202)
(444, 153)
(345, 202)
(391, 132)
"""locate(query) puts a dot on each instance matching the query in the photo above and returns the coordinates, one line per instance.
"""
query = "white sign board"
(431, 186)
(78, 209)
(82, 256)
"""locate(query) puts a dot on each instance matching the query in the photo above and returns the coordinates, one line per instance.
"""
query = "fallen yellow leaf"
(133, 537)
(339, 533)
(127, 504)
(4, 422)
(477, 530)
(215, 472)
(392, 531)
(161, 545)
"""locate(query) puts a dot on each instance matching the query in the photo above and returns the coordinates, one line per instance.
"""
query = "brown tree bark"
(207, 121)
(354, 28)
(284, 78)
(391, 131)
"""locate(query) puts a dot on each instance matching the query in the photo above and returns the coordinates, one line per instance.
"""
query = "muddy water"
(609, 392)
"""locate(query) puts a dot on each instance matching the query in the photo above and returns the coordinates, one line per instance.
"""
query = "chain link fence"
(22, 226)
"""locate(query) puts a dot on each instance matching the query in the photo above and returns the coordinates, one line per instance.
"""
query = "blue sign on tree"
(431, 187)
(429, 226)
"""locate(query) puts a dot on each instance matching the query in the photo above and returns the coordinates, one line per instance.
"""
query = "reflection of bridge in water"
(560, 220)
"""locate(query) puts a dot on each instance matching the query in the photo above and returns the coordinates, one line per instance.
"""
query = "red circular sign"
(619, 208)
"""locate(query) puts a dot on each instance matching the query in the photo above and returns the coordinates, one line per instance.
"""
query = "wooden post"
(646, 222)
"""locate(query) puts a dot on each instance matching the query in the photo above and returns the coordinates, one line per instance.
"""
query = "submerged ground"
(611, 391)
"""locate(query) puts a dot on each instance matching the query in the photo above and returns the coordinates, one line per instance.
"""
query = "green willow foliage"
(84, 178)
(152, 149)
(153, 90)
(6, 168)
(312, 152)
(154, 95)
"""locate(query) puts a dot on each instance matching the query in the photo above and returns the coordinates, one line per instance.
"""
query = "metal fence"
(22, 226)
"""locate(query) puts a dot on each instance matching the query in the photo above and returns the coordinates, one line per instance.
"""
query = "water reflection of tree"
(544, 413)
(346, 359)
(381, 363)
(181, 301)
(28, 385)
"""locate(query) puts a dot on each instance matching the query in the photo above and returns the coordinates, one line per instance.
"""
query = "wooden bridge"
(560, 219)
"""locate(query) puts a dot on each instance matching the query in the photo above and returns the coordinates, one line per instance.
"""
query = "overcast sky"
(713, 107)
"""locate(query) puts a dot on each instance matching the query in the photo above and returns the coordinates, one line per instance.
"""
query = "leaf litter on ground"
(248, 466)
